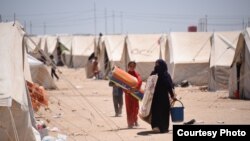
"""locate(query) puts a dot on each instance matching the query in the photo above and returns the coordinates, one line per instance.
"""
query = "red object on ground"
(237, 94)
(38, 96)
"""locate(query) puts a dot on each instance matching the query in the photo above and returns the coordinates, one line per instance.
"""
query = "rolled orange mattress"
(124, 77)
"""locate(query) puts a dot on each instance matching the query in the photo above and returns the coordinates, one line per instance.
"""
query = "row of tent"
(201, 58)
(220, 58)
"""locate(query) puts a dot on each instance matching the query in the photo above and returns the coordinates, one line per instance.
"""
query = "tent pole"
(13, 125)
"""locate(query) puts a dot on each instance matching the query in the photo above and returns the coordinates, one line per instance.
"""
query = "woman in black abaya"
(160, 108)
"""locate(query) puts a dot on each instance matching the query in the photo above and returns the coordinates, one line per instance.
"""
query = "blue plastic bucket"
(177, 113)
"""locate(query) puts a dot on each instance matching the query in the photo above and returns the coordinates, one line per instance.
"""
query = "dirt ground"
(82, 110)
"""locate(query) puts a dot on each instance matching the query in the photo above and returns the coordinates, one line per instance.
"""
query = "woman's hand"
(174, 97)
(132, 90)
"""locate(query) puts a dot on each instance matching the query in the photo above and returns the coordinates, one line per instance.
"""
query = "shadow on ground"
(146, 133)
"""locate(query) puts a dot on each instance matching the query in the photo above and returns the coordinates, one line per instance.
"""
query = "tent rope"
(200, 49)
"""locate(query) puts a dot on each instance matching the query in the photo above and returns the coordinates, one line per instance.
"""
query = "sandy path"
(83, 110)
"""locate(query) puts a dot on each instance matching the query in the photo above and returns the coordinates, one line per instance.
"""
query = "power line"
(67, 19)
(55, 13)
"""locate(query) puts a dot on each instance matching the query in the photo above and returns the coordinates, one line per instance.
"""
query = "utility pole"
(206, 23)
(106, 22)
(248, 23)
(121, 23)
(243, 24)
(44, 28)
(30, 27)
(14, 18)
(201, 25)
(25, 26)
(94, 18)
(113, 16)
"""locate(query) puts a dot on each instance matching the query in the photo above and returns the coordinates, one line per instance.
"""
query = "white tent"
(240, 71)
(40, 74)
(36, 44)
(51, 45)
(31, 42)
(189, 56)
(82, 48)
(42, 43)
(66, 42)
(165, 54)
(222, 53)
(144, 50)
(15, 108)
(112, 53)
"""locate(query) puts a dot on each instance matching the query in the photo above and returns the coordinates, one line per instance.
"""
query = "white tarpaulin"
(40, 74)
(189, 56)
(66, 42)
(144, 49)
(240, 71)
(36, 44)
(51, 44)
(82, 48)
(112, 53)
(31, 42)
(222, 53)
(15, 108)
(165, 55)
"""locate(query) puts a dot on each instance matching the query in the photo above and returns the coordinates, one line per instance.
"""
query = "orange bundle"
(124, 77)
(38, 95)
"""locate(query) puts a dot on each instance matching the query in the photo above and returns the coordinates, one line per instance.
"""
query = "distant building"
(192, 28)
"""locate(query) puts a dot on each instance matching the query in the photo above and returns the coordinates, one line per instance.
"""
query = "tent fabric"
(16, 115)
(40, 74)
(36, 44)
(189, 56)
(51, 44)
(112, 53)
(66, 41)
(82, 48)
(222, 54)
(31, 43)
(144, 50)
(42, 43)
(240, 68)
(12, 57)
(164, 48)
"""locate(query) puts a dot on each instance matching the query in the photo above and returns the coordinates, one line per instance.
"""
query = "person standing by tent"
(95, 68)
(53, 67)
(160, 107)
(117, 98)
(132, 104)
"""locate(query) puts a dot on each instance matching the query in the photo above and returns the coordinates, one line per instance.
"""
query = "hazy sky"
(125, 16)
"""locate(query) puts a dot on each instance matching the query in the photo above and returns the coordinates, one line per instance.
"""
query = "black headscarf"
(161, 69)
